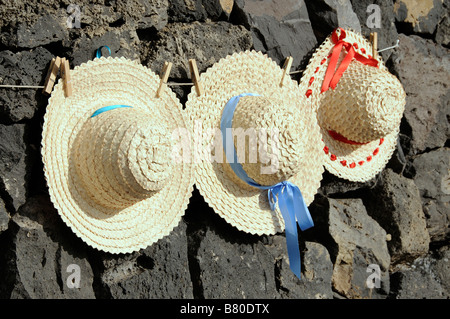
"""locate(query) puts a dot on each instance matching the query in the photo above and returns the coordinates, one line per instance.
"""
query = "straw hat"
(359, 113)
(292, 155)
(107, 153)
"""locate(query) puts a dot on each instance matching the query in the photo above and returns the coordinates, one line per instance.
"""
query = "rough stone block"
(159, 271)
(432, 178)
(422, 16)
(205, 42)
(355, 241)
(38, 254)
(427, 111)
(22, 68)
(279, 28)
(396, 205)
(13, 168)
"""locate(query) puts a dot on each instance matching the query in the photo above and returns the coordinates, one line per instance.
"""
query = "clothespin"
(51, 75)
(65, 74)
(374, 41)
(195, 77)
(286, 68)
(164, 76)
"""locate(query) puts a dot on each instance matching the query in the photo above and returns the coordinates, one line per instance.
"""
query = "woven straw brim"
(245, 207)
(99, 83)
(357, 163)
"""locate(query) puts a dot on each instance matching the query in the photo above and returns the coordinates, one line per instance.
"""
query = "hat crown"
(132, 151)
(367, 104)
(269, 133)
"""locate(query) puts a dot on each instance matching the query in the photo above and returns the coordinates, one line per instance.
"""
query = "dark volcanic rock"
(234, 269)
(159, 271)
(121, 42)
(368, 12)
(279, 28)
(4, 217)
(442, 268)
(22, 68)
(12, 164)
(37, 258)
(45, 30)
(41, 253)
(364, 16)
(132, 15)
(199, 10)
(427, 112)
(327, 15)
(426, 278)
(206, 42)
(143, 14)
(333, 185)
(395, 203)
(257, 270)
(443, 28)
(420, 16)
(356, 242)
(227, 263)
(34, 26)
(187, 10)
(432, 177)
(316, 273)
(30, 24)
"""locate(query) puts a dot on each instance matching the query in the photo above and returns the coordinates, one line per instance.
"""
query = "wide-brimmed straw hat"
(107, 153)
(250, 82)
(359, 105)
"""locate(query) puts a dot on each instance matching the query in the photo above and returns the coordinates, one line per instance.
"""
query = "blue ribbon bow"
(287, 195)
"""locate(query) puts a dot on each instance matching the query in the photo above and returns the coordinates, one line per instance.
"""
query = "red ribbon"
(338, 137)
(331, 77)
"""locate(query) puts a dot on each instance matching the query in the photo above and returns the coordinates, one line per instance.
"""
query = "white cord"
(392, 47)
(21, 86)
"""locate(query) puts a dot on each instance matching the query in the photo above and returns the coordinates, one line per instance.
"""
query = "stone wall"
(397, 223)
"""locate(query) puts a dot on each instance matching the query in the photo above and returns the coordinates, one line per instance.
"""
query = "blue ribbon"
(107, 108)
(289, 198)
(98, 53)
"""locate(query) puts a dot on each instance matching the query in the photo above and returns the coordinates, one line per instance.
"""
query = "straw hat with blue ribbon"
(107, 153)
(360, 105)
(262, 181)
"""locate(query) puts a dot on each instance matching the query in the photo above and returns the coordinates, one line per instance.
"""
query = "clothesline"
(169, 83)
(22, 86)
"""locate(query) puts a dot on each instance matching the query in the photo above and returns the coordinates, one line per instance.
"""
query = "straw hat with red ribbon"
(359, 105)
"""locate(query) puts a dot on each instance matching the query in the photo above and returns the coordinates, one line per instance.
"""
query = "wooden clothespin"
(195, 76)
(374, 41)
(286, 68)
(164, 76)
(52, 72)
(65, 74)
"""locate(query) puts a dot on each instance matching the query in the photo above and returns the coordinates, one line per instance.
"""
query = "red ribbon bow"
(331, 77)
